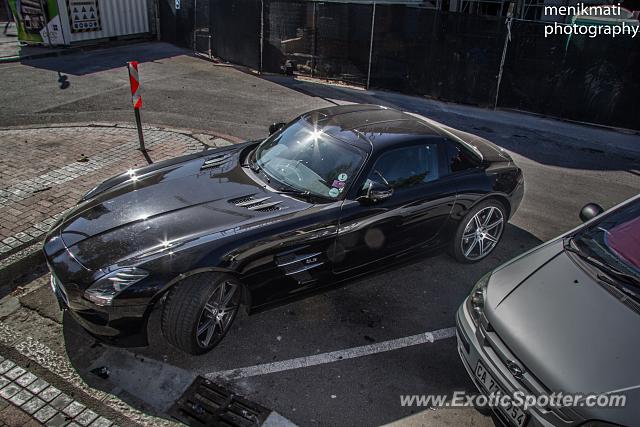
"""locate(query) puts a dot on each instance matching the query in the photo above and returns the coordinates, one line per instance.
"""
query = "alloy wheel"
(482, 233)
(217, 314)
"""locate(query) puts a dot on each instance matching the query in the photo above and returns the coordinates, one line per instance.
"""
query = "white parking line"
(333, 356)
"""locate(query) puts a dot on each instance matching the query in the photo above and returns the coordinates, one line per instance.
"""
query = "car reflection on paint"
(334, 194)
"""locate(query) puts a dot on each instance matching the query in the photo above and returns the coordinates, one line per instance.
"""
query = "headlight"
(106, 288)
(475, 302)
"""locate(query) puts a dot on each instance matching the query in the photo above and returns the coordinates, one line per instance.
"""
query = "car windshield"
(615, 240)
(306, 159)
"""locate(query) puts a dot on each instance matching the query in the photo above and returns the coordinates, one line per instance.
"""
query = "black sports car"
(334, 194)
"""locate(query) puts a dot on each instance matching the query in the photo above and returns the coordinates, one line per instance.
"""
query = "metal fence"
(452, 56)
(587, 79)
(202, 28)
(178, 24)
(449, 56)
(324, 40)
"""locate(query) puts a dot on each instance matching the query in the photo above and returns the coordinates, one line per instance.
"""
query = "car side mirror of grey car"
(377, 192)
(275, 127)
(590, 211)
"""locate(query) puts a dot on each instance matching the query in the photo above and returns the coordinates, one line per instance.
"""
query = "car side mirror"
(275, 127)
(590, 211)
(377, 192)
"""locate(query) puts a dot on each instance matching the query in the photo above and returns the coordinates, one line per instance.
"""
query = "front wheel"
(199, 311)
(479, 232)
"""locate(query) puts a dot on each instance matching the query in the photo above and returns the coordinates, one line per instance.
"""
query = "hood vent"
(212, 162)
(261, 204)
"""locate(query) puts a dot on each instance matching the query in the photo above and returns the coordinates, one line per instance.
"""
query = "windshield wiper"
(252, 165)
(302, 193)
(308, 195)
(617, 274)
(628, 293)
(256, 168)
(605, 268)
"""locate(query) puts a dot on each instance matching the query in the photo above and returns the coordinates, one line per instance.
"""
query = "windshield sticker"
(338, 184)
(334, 192)
(343, 177)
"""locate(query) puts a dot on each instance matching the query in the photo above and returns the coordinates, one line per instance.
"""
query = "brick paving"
(45, 171)
(11, 416)
(26, 400)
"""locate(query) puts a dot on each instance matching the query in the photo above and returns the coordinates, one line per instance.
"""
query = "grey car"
(562, 318)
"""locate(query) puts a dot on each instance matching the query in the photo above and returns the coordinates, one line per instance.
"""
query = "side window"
(459, 159)
(406, 167)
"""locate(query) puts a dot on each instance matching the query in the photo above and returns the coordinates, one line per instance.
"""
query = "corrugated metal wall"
(117, 18)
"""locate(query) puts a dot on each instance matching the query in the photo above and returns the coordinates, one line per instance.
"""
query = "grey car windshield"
(615, 240)
(305, 158)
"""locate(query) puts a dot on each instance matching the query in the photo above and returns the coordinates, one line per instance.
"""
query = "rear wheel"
(479, 232)
(199, 311)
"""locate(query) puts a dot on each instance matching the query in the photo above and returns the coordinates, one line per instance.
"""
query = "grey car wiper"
(616, 274)
(628, 279)
(627, 292)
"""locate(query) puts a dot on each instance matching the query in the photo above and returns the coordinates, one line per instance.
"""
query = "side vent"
(212, 162)
(261, 204)
(298, 266)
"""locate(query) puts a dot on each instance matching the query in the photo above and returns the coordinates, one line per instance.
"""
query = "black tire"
(189, 306)
(461, 243)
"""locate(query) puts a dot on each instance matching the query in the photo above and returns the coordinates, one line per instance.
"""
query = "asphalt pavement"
(565, 166)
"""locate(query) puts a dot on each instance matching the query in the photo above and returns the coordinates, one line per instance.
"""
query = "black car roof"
(372, 127)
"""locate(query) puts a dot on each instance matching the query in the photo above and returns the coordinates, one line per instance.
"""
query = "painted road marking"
(333, 356)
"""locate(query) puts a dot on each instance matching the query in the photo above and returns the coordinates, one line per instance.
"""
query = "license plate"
(515, 414)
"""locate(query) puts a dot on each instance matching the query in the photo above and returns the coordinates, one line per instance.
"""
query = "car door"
(406, 222)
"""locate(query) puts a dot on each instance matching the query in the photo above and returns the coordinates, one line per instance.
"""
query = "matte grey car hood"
(564, 327)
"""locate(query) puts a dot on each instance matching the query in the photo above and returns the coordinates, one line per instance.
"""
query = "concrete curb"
(183, 131)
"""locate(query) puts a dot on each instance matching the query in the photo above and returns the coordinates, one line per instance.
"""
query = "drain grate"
(207, 404)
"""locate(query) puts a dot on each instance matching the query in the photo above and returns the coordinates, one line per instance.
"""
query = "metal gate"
(202, 28)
